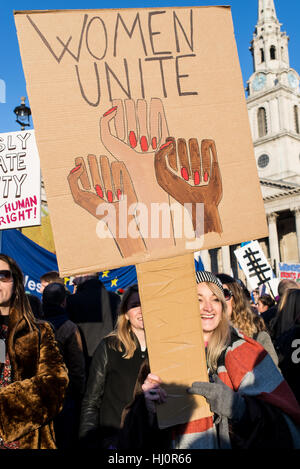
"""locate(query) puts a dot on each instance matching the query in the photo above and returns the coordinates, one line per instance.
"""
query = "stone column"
(205, 257)
(253, 123)
(297, 220)
(283, 125)
(274, 116)
(273, 239)
(226, 260)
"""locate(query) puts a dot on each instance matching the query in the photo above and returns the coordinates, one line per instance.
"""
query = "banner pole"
(173, 327)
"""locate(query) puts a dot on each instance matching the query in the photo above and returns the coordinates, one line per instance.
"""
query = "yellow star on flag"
(114, 282)
(105, 273)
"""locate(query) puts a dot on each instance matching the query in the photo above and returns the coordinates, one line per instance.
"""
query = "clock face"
(293, 80)
(259, 82)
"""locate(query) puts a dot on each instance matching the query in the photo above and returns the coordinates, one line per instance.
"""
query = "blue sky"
(244, 14)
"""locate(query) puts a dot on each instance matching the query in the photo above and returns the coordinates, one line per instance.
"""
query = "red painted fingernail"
(119, 194)
(144, 143)
(185, 174)
(205, 176)
(132, 139)
(110, 111)
(154, 143)
(196, 178)
(109, 196)
(99, 191)
(165, 145)
(75, 169)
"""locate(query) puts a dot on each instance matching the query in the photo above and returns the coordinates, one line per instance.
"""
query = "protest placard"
(289, 271)
(254, 264)
(20, 180)
(148, 150)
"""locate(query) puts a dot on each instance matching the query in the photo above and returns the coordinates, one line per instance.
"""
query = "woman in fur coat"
(33, 376)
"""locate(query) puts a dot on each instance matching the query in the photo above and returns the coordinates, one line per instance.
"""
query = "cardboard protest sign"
(20, 180)
(149, 152)
(174, 332)
(254, 264)
(289, 271)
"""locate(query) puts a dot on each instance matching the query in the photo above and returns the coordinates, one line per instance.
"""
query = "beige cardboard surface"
(174, 335)
(165, 72)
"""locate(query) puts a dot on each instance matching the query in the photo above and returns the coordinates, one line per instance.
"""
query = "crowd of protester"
(75, 371)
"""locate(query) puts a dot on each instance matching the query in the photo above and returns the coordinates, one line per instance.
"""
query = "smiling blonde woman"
(252, 404)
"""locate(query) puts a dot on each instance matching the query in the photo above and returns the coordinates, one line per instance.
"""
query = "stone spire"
(266, 11)
(269, 46)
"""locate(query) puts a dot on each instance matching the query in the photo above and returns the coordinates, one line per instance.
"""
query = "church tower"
(274, 112)
(274, 100)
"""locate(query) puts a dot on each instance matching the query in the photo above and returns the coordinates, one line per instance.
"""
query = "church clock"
(293, 80)
(259, 82)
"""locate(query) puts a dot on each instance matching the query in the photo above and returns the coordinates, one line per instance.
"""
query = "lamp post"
(23, 113)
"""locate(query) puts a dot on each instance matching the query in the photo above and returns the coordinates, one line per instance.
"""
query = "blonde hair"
(243, 318)
(285, 293)
(123, 338)
(220, 337)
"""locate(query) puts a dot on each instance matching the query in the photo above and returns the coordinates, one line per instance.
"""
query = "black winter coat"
(110, 388)
(287, 347)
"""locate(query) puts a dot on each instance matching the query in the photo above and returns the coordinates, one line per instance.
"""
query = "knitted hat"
(203, 276)
(133, 301)
(130, 299)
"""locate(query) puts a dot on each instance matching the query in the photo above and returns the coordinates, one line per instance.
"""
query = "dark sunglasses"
(5, 276)
(227, 294)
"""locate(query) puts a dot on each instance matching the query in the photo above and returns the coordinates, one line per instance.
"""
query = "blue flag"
(34, 261)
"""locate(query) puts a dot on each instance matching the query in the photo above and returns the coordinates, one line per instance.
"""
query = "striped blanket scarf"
(273, 414)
